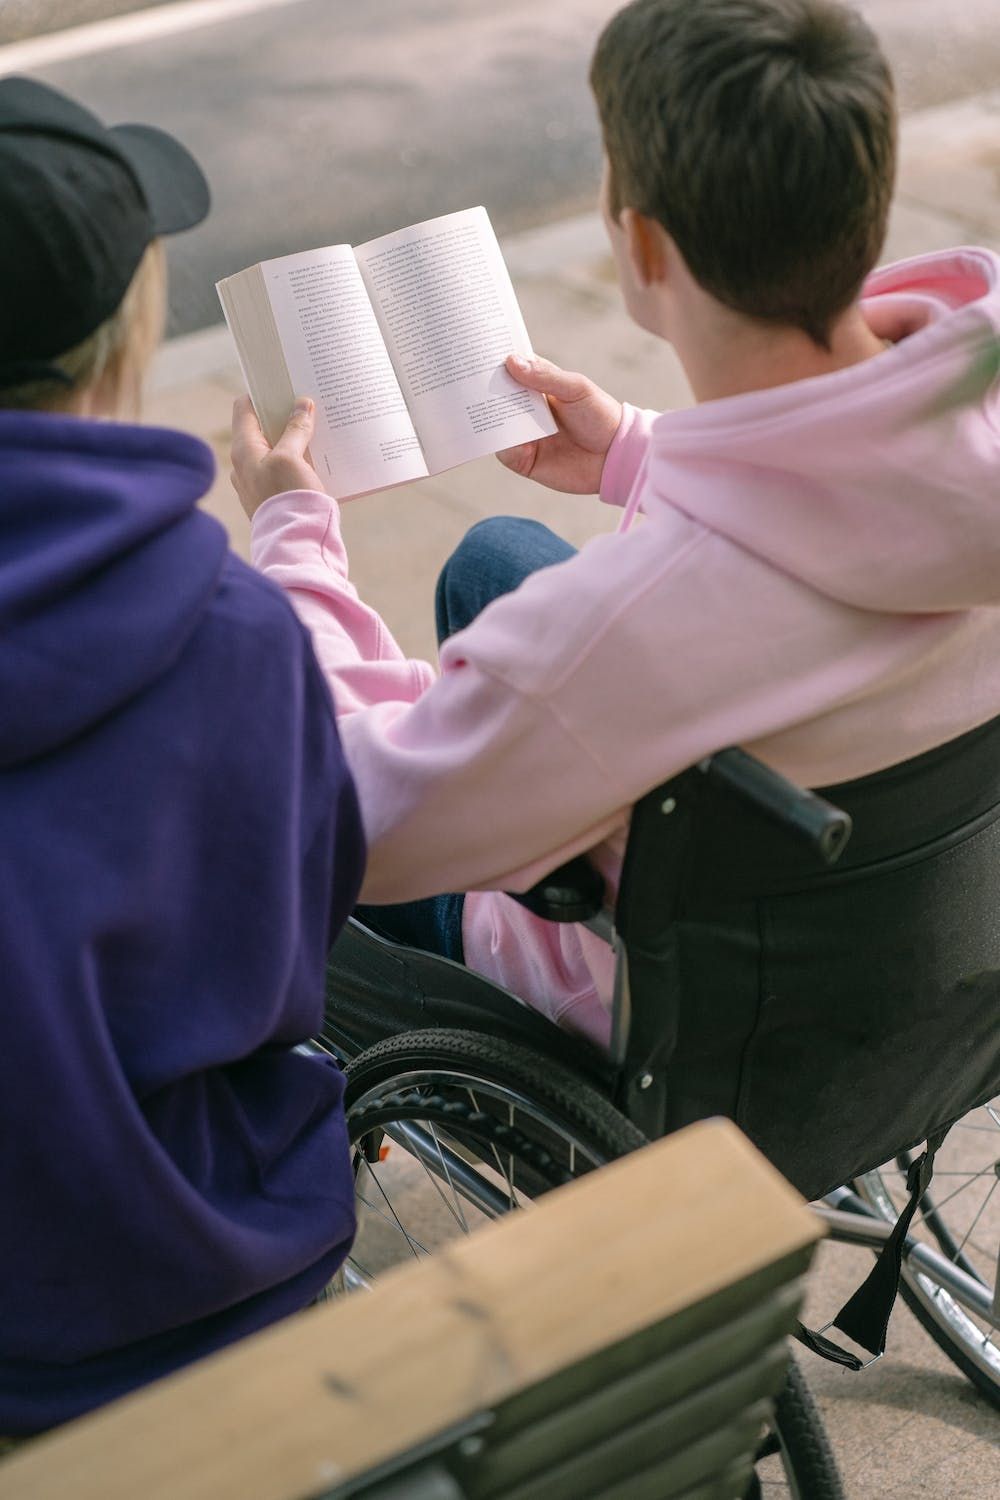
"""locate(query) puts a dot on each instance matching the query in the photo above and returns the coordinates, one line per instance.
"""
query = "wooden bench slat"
(338, 1390)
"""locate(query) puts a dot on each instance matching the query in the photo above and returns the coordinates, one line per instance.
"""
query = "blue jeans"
(493, 558)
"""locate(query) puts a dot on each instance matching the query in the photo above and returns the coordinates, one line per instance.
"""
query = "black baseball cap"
(79, 204)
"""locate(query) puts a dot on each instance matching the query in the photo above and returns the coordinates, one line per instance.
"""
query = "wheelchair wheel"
(959, 1219)
(451, 1129)
(800, 1444)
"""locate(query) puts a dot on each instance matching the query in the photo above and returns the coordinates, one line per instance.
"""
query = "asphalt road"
(23, 18)
(328, 121)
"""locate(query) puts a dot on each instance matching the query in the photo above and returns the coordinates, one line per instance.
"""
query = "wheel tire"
(563, 1092)
(810, 1465)
(798, 1430)
(986, 1384)
(949, 1346)
(953, 1331)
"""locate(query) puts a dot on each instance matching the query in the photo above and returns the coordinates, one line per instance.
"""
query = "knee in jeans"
(493, 557)
(482, 545)
(486, 539)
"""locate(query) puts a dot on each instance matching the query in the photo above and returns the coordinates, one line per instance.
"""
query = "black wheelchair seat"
(377, 989)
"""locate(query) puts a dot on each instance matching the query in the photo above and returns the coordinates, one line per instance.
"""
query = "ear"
(646, 246)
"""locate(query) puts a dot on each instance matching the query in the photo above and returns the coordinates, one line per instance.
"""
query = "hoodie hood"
(106, 569)
(878, 485)
(172, 874)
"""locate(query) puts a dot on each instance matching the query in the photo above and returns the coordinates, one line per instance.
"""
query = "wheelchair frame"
(401, 990)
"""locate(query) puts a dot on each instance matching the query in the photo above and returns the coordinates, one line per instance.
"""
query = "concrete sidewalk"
(911, 1425)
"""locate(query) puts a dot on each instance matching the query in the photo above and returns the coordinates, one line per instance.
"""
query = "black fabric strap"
(826, 1348)
(864, 1317)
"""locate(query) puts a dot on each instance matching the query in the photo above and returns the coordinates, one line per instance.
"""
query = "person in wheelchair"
(817, 572)
(179, 832)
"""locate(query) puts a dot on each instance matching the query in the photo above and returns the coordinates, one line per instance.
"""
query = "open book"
(401, 343)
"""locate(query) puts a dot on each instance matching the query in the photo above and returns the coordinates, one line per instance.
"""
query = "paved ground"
(23, 18)
(402, 108)
(910, 1426)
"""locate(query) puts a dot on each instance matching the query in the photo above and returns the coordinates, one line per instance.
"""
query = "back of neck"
(737, 356)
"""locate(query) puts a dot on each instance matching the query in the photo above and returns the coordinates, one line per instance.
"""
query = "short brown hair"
(761, 134)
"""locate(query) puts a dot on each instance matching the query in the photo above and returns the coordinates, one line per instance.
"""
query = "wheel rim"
(443, 1174)
(960, 1220)
(465, 1187)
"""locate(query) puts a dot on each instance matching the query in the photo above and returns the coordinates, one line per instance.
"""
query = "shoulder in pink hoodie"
(817, 579)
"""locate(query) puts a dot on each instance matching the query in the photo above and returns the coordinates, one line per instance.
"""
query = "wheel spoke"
(496, 1156)
(474, 1187)
(949, 1271)
(459, 1219)
(957, 1172)
(508, 1178)
(919, 1217)
(373, 1208)
(414, 1245)
(458, 1212)
(979, 1215)
(393, 1222)
(490, 1142)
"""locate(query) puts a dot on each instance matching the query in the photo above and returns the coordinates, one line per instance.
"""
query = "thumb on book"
(543, 375)
(520, 459)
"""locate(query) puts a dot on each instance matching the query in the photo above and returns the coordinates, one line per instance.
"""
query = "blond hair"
(114, 358)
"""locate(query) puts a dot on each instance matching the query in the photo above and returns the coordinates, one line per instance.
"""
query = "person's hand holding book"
(572, 459)
(260, 471)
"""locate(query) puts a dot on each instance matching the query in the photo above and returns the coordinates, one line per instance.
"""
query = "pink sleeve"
(626, 454)
(295, 541)
(454, 773)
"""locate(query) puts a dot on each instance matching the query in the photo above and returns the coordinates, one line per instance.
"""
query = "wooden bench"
(622, 1340)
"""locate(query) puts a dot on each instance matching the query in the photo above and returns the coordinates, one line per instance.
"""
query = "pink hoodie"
(817, 579)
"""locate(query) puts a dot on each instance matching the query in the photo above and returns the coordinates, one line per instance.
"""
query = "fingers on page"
(298, 429)
(245, 424)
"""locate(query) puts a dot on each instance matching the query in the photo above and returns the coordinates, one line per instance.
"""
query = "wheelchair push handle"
(572, 893)
(825, 827)
(575, 891)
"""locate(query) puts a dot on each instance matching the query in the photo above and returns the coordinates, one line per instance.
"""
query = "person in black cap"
(179, 834)
(81, 210)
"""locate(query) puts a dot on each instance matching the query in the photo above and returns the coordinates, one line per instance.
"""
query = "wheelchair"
(823, 968)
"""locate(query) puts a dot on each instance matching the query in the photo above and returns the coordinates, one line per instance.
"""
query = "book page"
(365, 439)
(449, 317)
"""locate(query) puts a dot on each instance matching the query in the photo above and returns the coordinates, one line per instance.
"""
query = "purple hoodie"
(179, 841)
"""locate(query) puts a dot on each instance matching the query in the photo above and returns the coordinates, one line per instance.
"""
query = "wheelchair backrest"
(837, 1013)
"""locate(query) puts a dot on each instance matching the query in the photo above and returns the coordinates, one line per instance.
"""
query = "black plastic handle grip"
(572, 893)
(825, 827)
